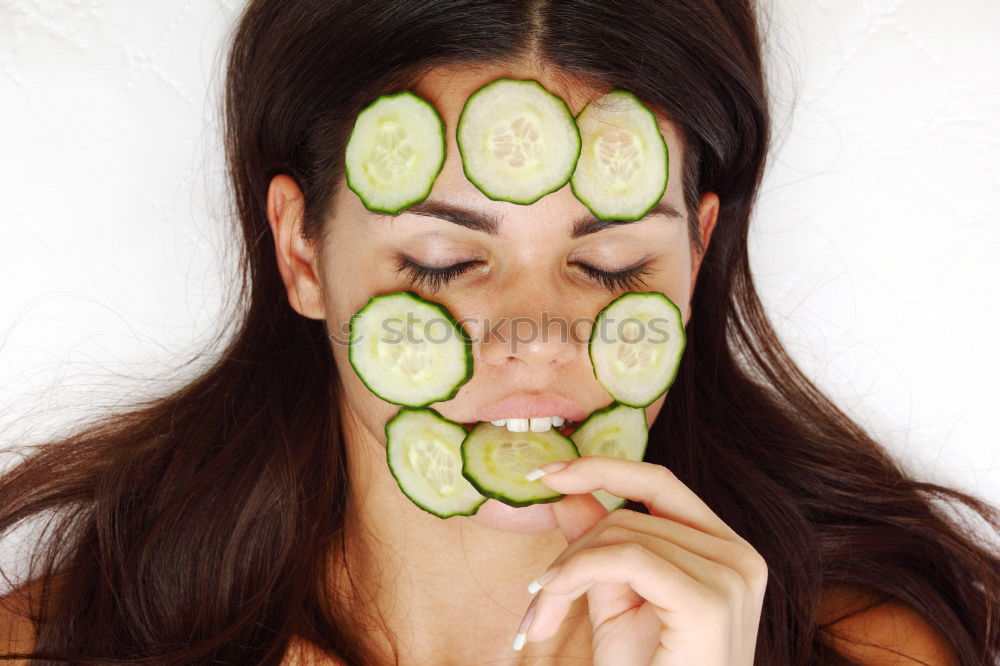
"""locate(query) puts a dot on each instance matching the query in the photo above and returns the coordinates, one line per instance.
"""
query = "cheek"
(349, 279)
(358, 405)
(653, 410)
(675, 282)
(346, 289)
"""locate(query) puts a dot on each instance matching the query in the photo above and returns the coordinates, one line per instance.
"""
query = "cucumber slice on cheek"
(408, 350)
(636, 346)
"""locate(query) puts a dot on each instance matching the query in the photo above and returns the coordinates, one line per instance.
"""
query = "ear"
(708, 214)
(296, 258)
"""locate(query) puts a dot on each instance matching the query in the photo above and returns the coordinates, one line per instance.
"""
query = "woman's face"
(526, 275)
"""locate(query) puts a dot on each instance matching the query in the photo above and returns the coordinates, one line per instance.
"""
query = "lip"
(527, 405)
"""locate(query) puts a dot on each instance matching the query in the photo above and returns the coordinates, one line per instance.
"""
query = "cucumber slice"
(408, 350)
(518, 141)
(423, 451)
(395, 152)
(636, 346)
(618, 431)
(624, 162)
(495, 461)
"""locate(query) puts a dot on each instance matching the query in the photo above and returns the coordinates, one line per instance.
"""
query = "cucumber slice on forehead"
(408, 350)
(624, 162)
(495, 461)
(617, 431)
(636, 346)
(518, 141)
(423, 451)
(395, 152)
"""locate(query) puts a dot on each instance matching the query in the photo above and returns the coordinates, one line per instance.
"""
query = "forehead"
(448, 87)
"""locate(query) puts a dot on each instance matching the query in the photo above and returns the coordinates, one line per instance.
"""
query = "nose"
(531, 337)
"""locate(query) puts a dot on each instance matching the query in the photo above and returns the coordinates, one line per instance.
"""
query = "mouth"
(531, 424)
(530, 412)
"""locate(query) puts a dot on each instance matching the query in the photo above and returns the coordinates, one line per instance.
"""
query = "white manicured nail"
(522, 632)
(539, 472)
(542, 580)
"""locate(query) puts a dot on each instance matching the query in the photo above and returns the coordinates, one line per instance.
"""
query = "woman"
(249, 518)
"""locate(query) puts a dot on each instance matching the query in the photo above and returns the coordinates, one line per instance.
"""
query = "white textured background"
(876, 243)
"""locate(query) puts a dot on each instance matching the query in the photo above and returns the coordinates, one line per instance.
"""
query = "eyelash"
(435, 278)
(627, 278)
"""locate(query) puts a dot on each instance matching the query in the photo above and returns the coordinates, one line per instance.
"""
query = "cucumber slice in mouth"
(408, 350)
(495, 460)
(518, 141)
(636, 346)
(395, 152)
(423, 452)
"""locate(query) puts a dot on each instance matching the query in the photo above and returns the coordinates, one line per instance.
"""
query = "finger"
(670, 591)
(575, 515)
(665, 537)
(730, 578)
(578, 513)
(653, 485)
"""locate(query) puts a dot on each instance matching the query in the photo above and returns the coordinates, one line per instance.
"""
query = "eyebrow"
(490, 224)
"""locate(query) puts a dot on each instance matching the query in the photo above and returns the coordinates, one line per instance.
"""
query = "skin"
(455, 591)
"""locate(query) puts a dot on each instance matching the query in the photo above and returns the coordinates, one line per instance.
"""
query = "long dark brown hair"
(197, 528)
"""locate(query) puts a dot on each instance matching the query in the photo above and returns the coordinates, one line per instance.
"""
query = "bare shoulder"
(882, 632)
(304, 653)
(17, 633)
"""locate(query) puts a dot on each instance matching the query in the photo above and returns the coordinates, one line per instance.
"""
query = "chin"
(496, 515)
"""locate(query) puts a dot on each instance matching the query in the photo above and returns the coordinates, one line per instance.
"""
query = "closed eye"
(625, 279)
(434, 277)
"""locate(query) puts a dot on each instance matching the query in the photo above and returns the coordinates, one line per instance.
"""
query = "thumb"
(578, 513)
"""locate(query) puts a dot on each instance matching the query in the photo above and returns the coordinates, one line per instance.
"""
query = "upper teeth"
(535, 424)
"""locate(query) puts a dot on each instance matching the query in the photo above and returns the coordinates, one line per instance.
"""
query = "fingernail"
(522, 632)
(548, 468)
(542, 580)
